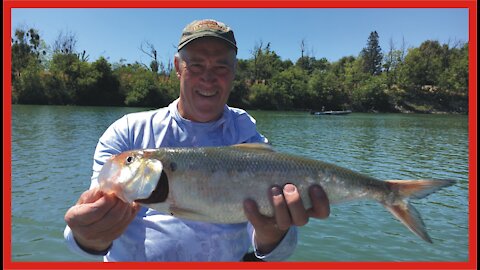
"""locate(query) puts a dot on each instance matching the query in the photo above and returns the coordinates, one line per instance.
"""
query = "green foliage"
(372, 55)
(66, 72)
(436, 76)
(262, 96)
(423, 65)
(392, 65)
(143, 91)
(266, 63)
(372, 95)
(142, 87)
(290, 88)
(326, 92)
(27, 54)
(98, 85)
(311, 64)
(432, 77)
(29, 87)
(238, 95)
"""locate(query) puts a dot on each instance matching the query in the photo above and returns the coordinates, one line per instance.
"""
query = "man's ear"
(176, 62)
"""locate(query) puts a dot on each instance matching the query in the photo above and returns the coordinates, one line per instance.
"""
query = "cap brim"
(185, 42)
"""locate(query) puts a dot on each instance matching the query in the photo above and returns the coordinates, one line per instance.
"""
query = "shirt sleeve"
(282, 251)
(74, 247)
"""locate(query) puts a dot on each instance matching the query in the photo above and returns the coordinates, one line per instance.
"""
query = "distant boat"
(331, 112)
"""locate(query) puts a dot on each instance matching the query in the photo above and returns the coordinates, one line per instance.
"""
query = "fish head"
(130, 175)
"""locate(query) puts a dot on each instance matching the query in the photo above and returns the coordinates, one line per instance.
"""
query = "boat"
(331, 112)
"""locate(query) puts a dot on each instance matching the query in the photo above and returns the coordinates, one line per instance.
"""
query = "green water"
(52, 149)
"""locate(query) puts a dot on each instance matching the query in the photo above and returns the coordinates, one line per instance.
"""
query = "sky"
(117, 33)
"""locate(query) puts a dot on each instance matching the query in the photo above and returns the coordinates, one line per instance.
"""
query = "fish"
(210, 184)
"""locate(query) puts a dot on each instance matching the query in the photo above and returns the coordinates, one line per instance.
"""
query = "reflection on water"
(52, 148)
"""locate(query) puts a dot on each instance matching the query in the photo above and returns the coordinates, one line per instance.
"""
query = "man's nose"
(208, 75)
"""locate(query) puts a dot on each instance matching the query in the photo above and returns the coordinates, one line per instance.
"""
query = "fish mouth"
(107, 178)
(160, 193)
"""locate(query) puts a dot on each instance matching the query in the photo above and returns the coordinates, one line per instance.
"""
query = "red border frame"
(470, 4)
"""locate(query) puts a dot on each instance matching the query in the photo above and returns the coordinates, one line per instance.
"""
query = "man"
(103, 225)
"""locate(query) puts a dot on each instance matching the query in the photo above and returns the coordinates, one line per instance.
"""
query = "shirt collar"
(173, 108)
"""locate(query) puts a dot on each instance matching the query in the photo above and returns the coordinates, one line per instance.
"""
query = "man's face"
(206, 70)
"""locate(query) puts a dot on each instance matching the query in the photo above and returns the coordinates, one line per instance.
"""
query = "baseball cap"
(207, 28)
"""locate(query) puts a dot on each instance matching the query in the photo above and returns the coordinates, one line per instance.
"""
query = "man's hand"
(288, 211)
(97, 219)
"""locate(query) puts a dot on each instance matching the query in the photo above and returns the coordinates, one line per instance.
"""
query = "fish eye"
(129, 159)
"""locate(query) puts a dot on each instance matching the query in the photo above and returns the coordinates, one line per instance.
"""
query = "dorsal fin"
(255, 146)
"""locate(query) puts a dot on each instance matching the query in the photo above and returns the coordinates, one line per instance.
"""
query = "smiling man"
(103, 225)
(206, 69)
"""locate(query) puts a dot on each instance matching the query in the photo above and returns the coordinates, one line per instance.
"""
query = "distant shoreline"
(259, 109)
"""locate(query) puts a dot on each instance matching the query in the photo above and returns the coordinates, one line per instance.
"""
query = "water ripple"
(386, 146)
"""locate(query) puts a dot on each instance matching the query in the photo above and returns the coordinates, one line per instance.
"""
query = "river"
(52, 149)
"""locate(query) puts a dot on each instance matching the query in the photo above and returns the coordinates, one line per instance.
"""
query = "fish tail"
(404, 211)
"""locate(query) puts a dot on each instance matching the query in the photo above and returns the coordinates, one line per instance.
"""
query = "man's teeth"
(207, 93)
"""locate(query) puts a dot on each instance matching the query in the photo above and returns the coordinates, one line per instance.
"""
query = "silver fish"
(211, 183)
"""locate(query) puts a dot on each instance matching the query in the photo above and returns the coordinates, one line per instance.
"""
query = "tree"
(25, 49)
(423, 66)
(290, 88)
(65, 43)
(372, 55)
(27, 70)
(302, 47)
(455, 76)
(261, 96)
(354, 74)
(141, 87)
(393, 61)
(325, 91)
(310, 64)
(65, 71)
(371, 95)
(266, 63)
(453, 81)
(239, 94)
(339, 68)
(30, 86)
(152, 53)
(304, 60)
(98, 86)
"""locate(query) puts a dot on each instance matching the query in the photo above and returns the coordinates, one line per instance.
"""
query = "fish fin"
(255, 146)
(186, 213)
(410, 217)
(418, 189)
(404, 211)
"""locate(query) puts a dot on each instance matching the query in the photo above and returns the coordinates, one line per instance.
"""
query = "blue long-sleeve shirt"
(155, 236)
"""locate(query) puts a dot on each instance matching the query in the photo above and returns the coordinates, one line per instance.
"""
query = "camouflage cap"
(207, 28)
